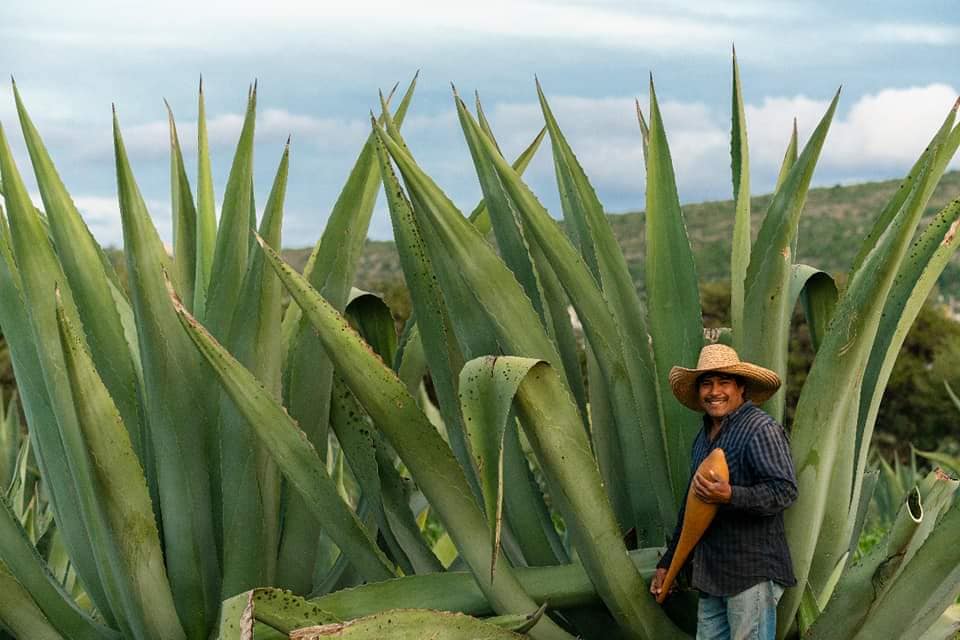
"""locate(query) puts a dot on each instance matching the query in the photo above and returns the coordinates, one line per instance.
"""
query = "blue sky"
(319, 65)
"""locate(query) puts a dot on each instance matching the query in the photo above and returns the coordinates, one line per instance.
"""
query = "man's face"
(720, 395)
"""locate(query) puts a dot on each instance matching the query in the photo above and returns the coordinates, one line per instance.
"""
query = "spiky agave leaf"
(308, 373)
(428, 458)
(174, 377)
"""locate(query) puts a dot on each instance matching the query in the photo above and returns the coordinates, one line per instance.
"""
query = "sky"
(319, 66)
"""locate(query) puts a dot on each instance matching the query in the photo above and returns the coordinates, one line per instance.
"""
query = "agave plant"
(183, 429)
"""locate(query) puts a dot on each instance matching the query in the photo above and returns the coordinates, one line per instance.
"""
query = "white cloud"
(102, 215)
(243, 24)
(879, 134)
(915, 33)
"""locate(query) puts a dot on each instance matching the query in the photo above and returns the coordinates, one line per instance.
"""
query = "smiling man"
(742, 563)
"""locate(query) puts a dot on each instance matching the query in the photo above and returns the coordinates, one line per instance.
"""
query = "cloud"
(879, 135)
(243, 25)
(912, 33)
(102, 215)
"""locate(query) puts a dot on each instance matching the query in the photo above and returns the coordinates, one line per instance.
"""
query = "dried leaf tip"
(289, 135)
(201, 84)
(453, 88)
(956, 105)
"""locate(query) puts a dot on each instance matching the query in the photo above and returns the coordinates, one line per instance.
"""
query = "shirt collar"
(708, 422)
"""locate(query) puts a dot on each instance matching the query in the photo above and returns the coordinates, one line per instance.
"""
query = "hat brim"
(760, 382)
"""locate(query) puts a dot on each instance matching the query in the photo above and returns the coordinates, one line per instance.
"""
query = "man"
(741, 564)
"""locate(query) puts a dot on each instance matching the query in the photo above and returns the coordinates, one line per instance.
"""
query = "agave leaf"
(20, 614)
(480, 216)
(80, 256)
(673, 301)
(487, 388)
(767, 302)
(789, 159)
(206, 216)
(185, 223)
(857, 588)
(437, 295)
(233, 233)
(869, 486)
(9, 441)
(950, 462)
(121, 489)
(946, 626)
(614, 277)
(370, 462)
(31, 269)
(308, 373)
(27, 567)
(830, 399)
(817, 292)
(644, 131)
(476, 335)
(278, 609)
(598, 322)
(408, 624)
(606, 443)
(564, 586)
(173, 374)
(740, 167)
(250, 479)
(420, 447)
(925, 260)
(293, 453)
(575, 485)
(893, 206)
(953, 396)
(936, 566)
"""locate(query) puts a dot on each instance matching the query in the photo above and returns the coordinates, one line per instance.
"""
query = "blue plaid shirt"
(746, 543)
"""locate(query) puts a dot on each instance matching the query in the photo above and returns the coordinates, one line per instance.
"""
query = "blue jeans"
(749, 615)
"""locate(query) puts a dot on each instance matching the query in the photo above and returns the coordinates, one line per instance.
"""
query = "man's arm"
(769, 455)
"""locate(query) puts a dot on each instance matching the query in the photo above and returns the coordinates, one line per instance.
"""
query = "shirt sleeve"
(775, 488)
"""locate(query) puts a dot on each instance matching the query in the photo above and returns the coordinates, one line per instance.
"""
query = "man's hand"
(711, 489)
(656, 584)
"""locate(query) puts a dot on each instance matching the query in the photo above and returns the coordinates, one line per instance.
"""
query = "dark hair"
(740, 380)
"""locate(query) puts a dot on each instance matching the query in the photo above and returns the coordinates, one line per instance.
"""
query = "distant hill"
(834, 222)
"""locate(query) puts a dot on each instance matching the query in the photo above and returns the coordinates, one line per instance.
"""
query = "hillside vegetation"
(834, 222)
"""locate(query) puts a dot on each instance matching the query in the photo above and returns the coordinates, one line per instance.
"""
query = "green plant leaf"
(428, 458)
(408, 624)
(33, 268)
(89, 280)
(118, 483)
(599, 325)
(895, 203)
(768, 305)
(789, 158)
(308, 372)
(185, 223)
(740, 168)
(293, 453)
(673, 302)
(206, 233)
(26, 566)
(278, 609)
(563, 586)
(174, 375)
(20, 614)
(818, 295)
(250, 478)
(822, 443)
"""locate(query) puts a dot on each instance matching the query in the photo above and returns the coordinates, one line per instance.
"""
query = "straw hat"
(760, 383)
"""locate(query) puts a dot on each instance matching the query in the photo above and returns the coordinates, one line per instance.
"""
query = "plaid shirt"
(746, 543)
